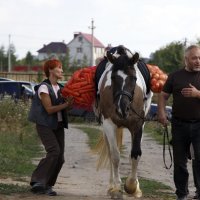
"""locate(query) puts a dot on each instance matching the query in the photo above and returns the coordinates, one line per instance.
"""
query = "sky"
(141, 25)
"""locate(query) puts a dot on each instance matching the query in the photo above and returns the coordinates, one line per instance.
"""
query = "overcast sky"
(140, 25)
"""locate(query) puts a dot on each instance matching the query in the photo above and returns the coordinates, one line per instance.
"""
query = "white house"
(80, 48)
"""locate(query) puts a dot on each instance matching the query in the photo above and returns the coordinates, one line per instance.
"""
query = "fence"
(26, 76)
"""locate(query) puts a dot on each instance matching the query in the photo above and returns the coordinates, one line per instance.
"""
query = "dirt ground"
(79, 180)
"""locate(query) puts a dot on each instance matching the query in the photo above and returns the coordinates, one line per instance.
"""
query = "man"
(184, 85)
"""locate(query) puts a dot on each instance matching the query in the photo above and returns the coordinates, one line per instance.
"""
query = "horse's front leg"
(132, 184)
(111, 179)
(110, 131)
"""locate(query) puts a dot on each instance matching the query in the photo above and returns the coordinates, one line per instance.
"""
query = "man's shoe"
(49, 191)
(38, 188)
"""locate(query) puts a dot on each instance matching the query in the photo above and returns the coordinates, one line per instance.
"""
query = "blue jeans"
(183, 134)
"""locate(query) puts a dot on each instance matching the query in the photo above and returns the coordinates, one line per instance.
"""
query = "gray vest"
(39, 115)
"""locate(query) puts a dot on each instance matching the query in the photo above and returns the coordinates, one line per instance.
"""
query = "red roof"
(88, 37)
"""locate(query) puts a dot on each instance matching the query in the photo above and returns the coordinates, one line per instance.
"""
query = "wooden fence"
(31, 77)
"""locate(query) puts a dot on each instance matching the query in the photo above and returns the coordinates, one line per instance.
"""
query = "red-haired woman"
(48, 111)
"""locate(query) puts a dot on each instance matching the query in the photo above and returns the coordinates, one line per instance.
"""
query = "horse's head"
(118, 51)
(123, 81)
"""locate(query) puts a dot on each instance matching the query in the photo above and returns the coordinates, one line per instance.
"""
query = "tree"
(29, 59)
(84, 61)
(65, 61)
(170, 57)
(3, 59)
(12, 53)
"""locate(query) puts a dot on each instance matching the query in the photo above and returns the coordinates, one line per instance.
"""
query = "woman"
(48, 111)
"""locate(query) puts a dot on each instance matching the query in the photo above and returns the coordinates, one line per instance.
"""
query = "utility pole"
(9, 54)
(92, 46)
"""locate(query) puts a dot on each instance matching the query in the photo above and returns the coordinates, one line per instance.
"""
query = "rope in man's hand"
(166, 137)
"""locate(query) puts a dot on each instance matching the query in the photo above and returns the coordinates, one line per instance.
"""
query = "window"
(79, 50)
(80, 39)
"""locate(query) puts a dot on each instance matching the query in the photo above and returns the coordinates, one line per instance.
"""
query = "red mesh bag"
(158, 78)
(82, 87)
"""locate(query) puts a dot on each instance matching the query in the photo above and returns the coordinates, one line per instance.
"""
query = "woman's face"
(57, 72)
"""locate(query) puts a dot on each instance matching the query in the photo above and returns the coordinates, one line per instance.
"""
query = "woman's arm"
(46, 102)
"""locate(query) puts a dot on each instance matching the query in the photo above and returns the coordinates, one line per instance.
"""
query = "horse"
(123, 101)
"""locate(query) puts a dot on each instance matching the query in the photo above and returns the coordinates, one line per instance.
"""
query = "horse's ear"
(110, 57)
(135, 57)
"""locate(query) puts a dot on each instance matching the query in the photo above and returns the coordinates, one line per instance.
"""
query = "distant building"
(53, 49)
(80, 49)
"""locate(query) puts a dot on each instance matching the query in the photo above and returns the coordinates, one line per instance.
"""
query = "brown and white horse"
(123, 103)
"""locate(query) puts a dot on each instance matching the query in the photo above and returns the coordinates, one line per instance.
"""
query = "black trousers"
(49, 167)
(183, 134)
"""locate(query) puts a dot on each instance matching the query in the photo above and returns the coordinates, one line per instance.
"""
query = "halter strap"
(122, 92)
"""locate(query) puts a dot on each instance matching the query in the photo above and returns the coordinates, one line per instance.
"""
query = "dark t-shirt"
(187, 108)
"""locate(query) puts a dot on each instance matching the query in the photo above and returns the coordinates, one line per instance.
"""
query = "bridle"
(123, 92)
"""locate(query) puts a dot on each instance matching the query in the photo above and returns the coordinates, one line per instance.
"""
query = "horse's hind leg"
(110, 131)
(132, 184)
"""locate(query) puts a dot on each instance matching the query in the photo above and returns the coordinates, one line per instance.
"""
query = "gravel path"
(79, 180)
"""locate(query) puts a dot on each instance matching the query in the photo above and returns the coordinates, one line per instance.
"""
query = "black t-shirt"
(187, 108)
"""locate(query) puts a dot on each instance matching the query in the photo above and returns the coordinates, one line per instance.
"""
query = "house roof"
(88, 37)
(54, 47)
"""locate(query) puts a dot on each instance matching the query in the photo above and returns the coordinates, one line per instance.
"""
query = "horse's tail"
(102, 148)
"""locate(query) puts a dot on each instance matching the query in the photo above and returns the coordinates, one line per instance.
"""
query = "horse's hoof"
(138, 193)
(109, 191)
(130, 186)
(115, 193)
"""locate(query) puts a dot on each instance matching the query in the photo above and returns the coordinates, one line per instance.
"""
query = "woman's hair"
(51, 64)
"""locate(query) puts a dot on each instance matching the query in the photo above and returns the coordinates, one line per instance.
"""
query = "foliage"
(29, 59)
(65, 61)
(4, 57)
(84, 61)
(18, 140)
(170, 57)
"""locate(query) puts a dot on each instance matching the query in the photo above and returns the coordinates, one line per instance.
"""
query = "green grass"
(9, 189)
(154, 189)
(19, 143)
(93, 135)
(156, 130)
(16, 156)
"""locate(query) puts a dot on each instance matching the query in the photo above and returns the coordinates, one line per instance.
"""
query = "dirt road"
(79, 180)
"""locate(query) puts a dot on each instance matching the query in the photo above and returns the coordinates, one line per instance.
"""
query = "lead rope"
(166, 136)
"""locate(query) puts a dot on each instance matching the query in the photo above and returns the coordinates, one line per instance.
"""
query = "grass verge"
(19, 144)
(9, 189)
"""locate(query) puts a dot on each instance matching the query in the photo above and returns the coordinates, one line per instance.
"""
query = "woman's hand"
(69, 102)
